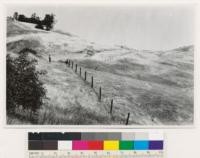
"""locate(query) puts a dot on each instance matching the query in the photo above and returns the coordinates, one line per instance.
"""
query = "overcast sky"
(140, 27)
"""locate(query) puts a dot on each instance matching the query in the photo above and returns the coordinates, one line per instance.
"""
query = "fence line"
(71, 64)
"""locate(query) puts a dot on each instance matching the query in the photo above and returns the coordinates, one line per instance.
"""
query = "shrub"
(23, 86)
(39, 26)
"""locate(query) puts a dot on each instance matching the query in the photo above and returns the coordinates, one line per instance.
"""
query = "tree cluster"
(46, 23)
(24, 89)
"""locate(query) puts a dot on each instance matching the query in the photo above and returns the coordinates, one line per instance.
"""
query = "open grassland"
(155, 87)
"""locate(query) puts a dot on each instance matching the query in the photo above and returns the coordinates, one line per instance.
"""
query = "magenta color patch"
(79, 145)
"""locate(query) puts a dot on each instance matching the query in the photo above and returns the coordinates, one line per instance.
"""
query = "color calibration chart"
(95, 145)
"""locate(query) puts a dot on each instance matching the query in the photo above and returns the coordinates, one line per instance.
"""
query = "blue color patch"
(141, 145)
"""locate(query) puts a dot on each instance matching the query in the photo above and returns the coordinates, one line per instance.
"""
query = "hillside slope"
(156, 88)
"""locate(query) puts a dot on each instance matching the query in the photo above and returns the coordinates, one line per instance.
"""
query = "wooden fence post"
(127, 119)
(111, 106)
(92, 82)
(49, 58)
(100, 94)
(76, 68)
(85, 75)
(80, 71)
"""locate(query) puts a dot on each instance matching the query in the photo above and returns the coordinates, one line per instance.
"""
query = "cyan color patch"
(141, 145)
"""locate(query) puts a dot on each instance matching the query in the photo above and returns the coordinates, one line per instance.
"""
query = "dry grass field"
(155, 87)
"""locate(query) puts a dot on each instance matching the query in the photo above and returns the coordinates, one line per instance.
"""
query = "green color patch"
(126, 145)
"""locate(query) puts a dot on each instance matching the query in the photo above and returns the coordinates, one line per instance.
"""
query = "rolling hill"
(155, 87)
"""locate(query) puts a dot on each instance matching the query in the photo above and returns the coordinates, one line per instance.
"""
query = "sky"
(149, 27)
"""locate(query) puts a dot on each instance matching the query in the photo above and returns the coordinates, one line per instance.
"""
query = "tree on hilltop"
(49, 21)
(15, 15)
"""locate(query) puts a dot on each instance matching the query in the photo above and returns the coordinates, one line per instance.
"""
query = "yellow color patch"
(111, 145)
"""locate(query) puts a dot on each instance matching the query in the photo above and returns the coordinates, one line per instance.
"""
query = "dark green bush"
(23, 86)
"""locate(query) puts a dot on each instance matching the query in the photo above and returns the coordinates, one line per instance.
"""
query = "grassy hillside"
(156, 88)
